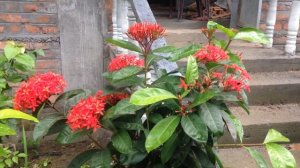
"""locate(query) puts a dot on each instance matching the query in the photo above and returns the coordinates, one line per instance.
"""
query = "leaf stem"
(229, 42)
(98, 144)
(24, 139)
(238, 145)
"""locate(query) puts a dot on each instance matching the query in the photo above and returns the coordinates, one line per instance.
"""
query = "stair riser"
(257, 133)
(274, 94)
(267, 65)
(272, 65)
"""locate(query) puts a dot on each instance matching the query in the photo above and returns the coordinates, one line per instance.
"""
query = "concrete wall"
(35, 23)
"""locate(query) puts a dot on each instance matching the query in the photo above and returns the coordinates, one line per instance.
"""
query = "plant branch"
(229, 42)
(97, 144)
(238, 145)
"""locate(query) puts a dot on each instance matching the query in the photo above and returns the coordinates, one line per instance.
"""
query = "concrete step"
(284, 118)
(240, 158)
(274, 88)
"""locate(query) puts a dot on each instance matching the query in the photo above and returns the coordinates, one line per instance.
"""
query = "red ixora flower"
(210, 53)
(113, 98)
(86, 113)
(37, 89)
(145, 33)
(124, 60)
(235, 84)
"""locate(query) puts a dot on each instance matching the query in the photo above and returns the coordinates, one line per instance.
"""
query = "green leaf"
(11, 50)
(67, 136)
(8, 162)
(260, 161)
(124, 44)
(161, 132)
(5, 130)
(194, 127)
(202, 98)
(169, 148)
(201, 159)
(126, 72)
(151, 58)
(164, 49)
(212, 116)
(40, 52)
(129, 126)
(275, 136)
(184, 52)
(10, 113)
(234, 126)
(42, 128)
(123, 107)
(69, 94)
(280, 157)
(101, 159)
(132, 158)
(229, 32)
(150, 95)
(251, 35)
(26, 60)
(82, 158)
(155, 118)
(192, 72)
(122, 142)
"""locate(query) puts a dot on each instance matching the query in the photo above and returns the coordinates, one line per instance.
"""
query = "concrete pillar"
(293, 26)
(270, 22)
(81, 43)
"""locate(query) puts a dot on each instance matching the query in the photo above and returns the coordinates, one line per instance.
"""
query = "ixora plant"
(173, 121)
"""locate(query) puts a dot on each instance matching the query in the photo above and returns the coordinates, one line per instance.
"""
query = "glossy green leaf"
(42, 128)
(101, 159)
(124, 44)
(69, 94)
(161, 132)
(10, 113)
(82, 158)
(201, 159)
(155, 118)
(26, 60)
(239, 127)
(275, 136)
(184, 52)
(132, 158)
(67, 136)
(194, 127)
(129, 126)
(122, 142)
(202, 98)
(124, 107)
(260, 161)
(251, 35)
(151, 58)
(150, 95)
(6, 130)
(280, 157)
(234, 126)
(126, 72)
(169, 148)
(212, 116)
(165, 49)
(192, 72)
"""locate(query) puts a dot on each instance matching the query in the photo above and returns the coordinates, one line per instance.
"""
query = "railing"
(127, 12)
(293, 26)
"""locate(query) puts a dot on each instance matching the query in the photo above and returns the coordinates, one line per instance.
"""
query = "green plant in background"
(173, 121)
(8, 158)
(16, 65)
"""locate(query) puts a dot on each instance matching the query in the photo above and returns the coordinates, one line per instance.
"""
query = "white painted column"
(270, 22)
(114, 19)
(293, 26)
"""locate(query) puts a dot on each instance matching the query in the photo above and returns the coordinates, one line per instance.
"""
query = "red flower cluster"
(37, 89)
(236, 81)
(210, 53)
(123, 60)
(113, 98)
(145, 33)
(86, 113)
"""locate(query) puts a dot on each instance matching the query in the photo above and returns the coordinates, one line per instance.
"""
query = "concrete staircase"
(275, 85)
